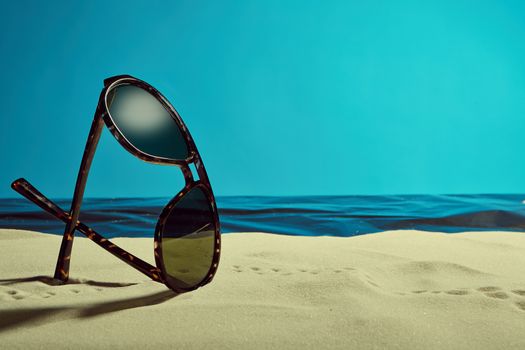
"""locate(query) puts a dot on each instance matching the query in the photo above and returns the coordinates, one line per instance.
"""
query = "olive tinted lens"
(188, 240)
(145, 123)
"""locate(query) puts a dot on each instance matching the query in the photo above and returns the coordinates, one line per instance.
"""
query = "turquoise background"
(281, 97)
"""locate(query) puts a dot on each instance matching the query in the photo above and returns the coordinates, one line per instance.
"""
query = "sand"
(391, 290)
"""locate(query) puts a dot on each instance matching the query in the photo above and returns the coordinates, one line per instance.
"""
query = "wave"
(342, 216)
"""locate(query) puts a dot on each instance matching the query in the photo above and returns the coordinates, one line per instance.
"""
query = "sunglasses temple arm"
(23, 187)
(64, 255)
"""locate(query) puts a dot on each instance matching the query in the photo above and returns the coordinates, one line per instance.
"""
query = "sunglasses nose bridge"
(188, 176)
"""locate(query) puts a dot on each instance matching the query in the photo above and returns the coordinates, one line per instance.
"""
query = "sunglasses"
(187, 235)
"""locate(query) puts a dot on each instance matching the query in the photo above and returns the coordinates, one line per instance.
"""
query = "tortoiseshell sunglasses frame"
(102, 116)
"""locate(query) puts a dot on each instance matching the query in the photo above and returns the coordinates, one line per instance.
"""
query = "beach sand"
(390, 290)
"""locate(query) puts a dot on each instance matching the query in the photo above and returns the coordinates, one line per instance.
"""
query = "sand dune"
(391, 290)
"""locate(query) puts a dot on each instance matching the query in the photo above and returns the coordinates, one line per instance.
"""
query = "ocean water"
(302, 216)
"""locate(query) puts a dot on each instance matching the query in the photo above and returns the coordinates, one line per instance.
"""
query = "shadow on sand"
(18, 317)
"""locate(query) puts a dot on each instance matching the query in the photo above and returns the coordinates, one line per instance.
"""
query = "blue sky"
(281, 97)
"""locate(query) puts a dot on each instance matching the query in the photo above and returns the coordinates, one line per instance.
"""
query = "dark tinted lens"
(188, 240)
(145, 123)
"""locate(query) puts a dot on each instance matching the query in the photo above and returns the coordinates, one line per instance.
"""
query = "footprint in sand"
(489, 289)
(497, 295)
(520, 305)
(14, 294)
(493, 292)
(48, 294)
(257, 270)
(457, 292)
